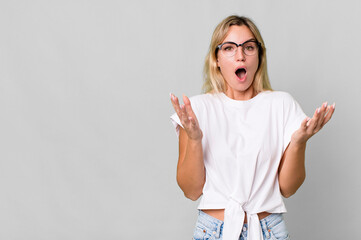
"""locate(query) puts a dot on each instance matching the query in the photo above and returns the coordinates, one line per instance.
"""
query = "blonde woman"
(241, 144)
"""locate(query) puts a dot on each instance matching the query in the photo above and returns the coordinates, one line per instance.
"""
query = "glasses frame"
(240, 45)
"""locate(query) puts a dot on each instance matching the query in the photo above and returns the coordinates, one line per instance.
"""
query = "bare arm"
(291, 172)
(190, 168)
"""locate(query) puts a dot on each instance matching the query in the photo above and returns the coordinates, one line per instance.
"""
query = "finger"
(321, 116)
(175, 104)
(312, 123)
(327, 116)
(331, 110)
(188, 105)
(187, 102)
(184, 116)
(304, 123)
(179, 108)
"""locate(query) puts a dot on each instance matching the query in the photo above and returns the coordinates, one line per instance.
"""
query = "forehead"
(238, 34)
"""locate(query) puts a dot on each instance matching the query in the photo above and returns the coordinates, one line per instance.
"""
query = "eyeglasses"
(249, 48)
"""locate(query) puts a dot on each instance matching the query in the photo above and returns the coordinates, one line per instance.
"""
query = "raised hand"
(187, 117)
(310, 126)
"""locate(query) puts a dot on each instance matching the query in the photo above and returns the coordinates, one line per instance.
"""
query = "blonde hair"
(213, 79)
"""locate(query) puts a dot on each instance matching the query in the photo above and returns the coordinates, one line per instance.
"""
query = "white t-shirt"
(243, 142)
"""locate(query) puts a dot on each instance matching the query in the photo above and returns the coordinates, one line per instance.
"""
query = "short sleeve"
(293, 117)
(176, 123)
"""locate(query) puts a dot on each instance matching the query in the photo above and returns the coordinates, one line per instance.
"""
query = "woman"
(241, 145)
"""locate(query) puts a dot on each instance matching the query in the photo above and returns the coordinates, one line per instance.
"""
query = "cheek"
(225, 70)
(224, 65)
(255, 65)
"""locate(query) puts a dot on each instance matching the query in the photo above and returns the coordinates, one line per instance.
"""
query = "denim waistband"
(213, 224)
(216, 225)
(270, 220)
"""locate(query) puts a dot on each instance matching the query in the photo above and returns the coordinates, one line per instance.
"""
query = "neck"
(241, 95)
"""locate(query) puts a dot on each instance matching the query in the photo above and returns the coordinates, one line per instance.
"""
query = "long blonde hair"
(213, 79)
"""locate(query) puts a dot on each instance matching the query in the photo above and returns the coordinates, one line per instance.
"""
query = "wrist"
(298, 144)
(196, 138)
(195, 141)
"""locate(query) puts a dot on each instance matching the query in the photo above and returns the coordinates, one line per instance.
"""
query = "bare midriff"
(219, 214)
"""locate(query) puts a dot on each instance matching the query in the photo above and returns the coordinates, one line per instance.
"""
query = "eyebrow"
(242, 42)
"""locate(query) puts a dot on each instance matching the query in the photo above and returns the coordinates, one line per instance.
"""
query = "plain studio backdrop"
(87, 149)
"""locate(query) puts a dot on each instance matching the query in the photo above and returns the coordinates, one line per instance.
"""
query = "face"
(239, 82)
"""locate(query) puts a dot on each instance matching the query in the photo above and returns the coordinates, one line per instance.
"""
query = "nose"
(240, 54)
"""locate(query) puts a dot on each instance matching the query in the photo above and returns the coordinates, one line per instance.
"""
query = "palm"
(187, 117)
(310, 126)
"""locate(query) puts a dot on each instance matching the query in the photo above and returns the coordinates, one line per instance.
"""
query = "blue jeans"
(210, 228)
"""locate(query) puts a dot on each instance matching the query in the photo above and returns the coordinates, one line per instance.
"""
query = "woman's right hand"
(187, 117)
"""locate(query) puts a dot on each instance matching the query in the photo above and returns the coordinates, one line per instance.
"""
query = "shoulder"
(279, 96)
(203, 103)
(197, 98)
(288, 104)
(205, 98)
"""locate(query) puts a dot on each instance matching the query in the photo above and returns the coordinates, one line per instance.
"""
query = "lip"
(245, 76)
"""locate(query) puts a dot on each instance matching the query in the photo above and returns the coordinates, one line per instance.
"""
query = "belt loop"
(218, 231)
(265, 228)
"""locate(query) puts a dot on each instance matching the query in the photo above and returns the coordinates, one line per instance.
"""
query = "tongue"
(241, 73)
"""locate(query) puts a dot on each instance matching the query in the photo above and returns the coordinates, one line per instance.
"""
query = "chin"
(243, 86)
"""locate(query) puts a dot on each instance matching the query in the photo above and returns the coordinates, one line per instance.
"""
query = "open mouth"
(241, 73)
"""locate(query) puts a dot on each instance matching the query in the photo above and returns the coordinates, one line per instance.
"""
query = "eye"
(228, 47)
(250, 47)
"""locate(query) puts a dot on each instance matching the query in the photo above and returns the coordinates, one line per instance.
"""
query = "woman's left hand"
(310, 126)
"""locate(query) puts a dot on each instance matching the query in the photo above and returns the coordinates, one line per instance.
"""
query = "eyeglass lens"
(230, 49)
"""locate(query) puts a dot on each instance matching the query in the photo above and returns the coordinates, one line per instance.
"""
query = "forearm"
(191, 171)
(292, 172)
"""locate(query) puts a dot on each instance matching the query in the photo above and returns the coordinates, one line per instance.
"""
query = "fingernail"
(171, 95)
(325, 104)
(333, 105)
(318, 110)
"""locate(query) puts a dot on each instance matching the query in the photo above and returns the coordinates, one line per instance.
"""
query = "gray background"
(87, 147)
